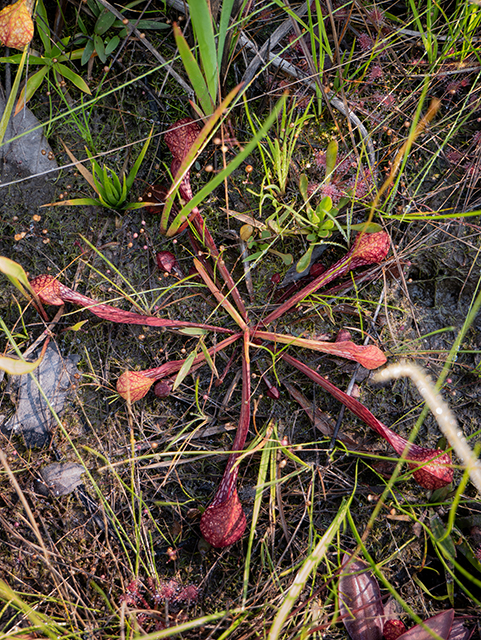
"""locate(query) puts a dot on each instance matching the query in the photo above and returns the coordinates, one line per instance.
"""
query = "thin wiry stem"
(443, 414)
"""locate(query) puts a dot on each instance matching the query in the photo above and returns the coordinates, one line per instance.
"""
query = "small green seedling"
(111, 190)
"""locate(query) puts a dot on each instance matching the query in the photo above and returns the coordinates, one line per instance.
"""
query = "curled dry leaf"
(360, 601)
(133, 385)
(16, 25)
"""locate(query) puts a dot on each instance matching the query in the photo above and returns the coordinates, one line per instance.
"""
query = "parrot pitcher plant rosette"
(223, 522)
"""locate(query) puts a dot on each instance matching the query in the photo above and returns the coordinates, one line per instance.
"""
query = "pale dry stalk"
(443, 414)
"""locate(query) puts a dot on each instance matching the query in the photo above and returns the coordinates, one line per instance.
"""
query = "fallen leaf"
(360, 601)
(62, 478)
(33, 418)
(440, 624)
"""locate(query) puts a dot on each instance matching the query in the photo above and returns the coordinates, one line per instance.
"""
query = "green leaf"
(116, 184)
(202, 23)
(196, 78)
(325, 204)
(372, 227)
(43, 27)
(305, 261)
(208, 358)
(133, 172)
(303, 182)
(87, 52)
(29, 89)
(193, 331)
(225, 16)
(185, 368)
(331, 158)
(100, 48)
(72, 76)
(74, 202)
(105, 20)
(112, 44)
(16, 274)
(17, 367)
(152, 25)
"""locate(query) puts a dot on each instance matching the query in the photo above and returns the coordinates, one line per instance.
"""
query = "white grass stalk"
(443, 414)
(305, 571)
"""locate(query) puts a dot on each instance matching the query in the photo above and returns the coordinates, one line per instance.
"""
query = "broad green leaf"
(43, 26)
(196, 77)
(331, 158)
(74, 202)
(29, 89)
(202, 23)
(87, 52)
(325, 204)
(72, 76)
(303, 183)
(18, 367)
(100, 48)
(105, 20)
(184, 370)
(112, 44)
(305, 261)
(16, 274)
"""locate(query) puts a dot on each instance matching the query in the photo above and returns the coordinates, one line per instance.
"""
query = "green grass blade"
(204, 32)
(72, 76)
(11, 98)
(196, 148)
(225, 16)
(225, 173)
(135, 169)
(196, 78)
(261, 478)
(42, 26)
